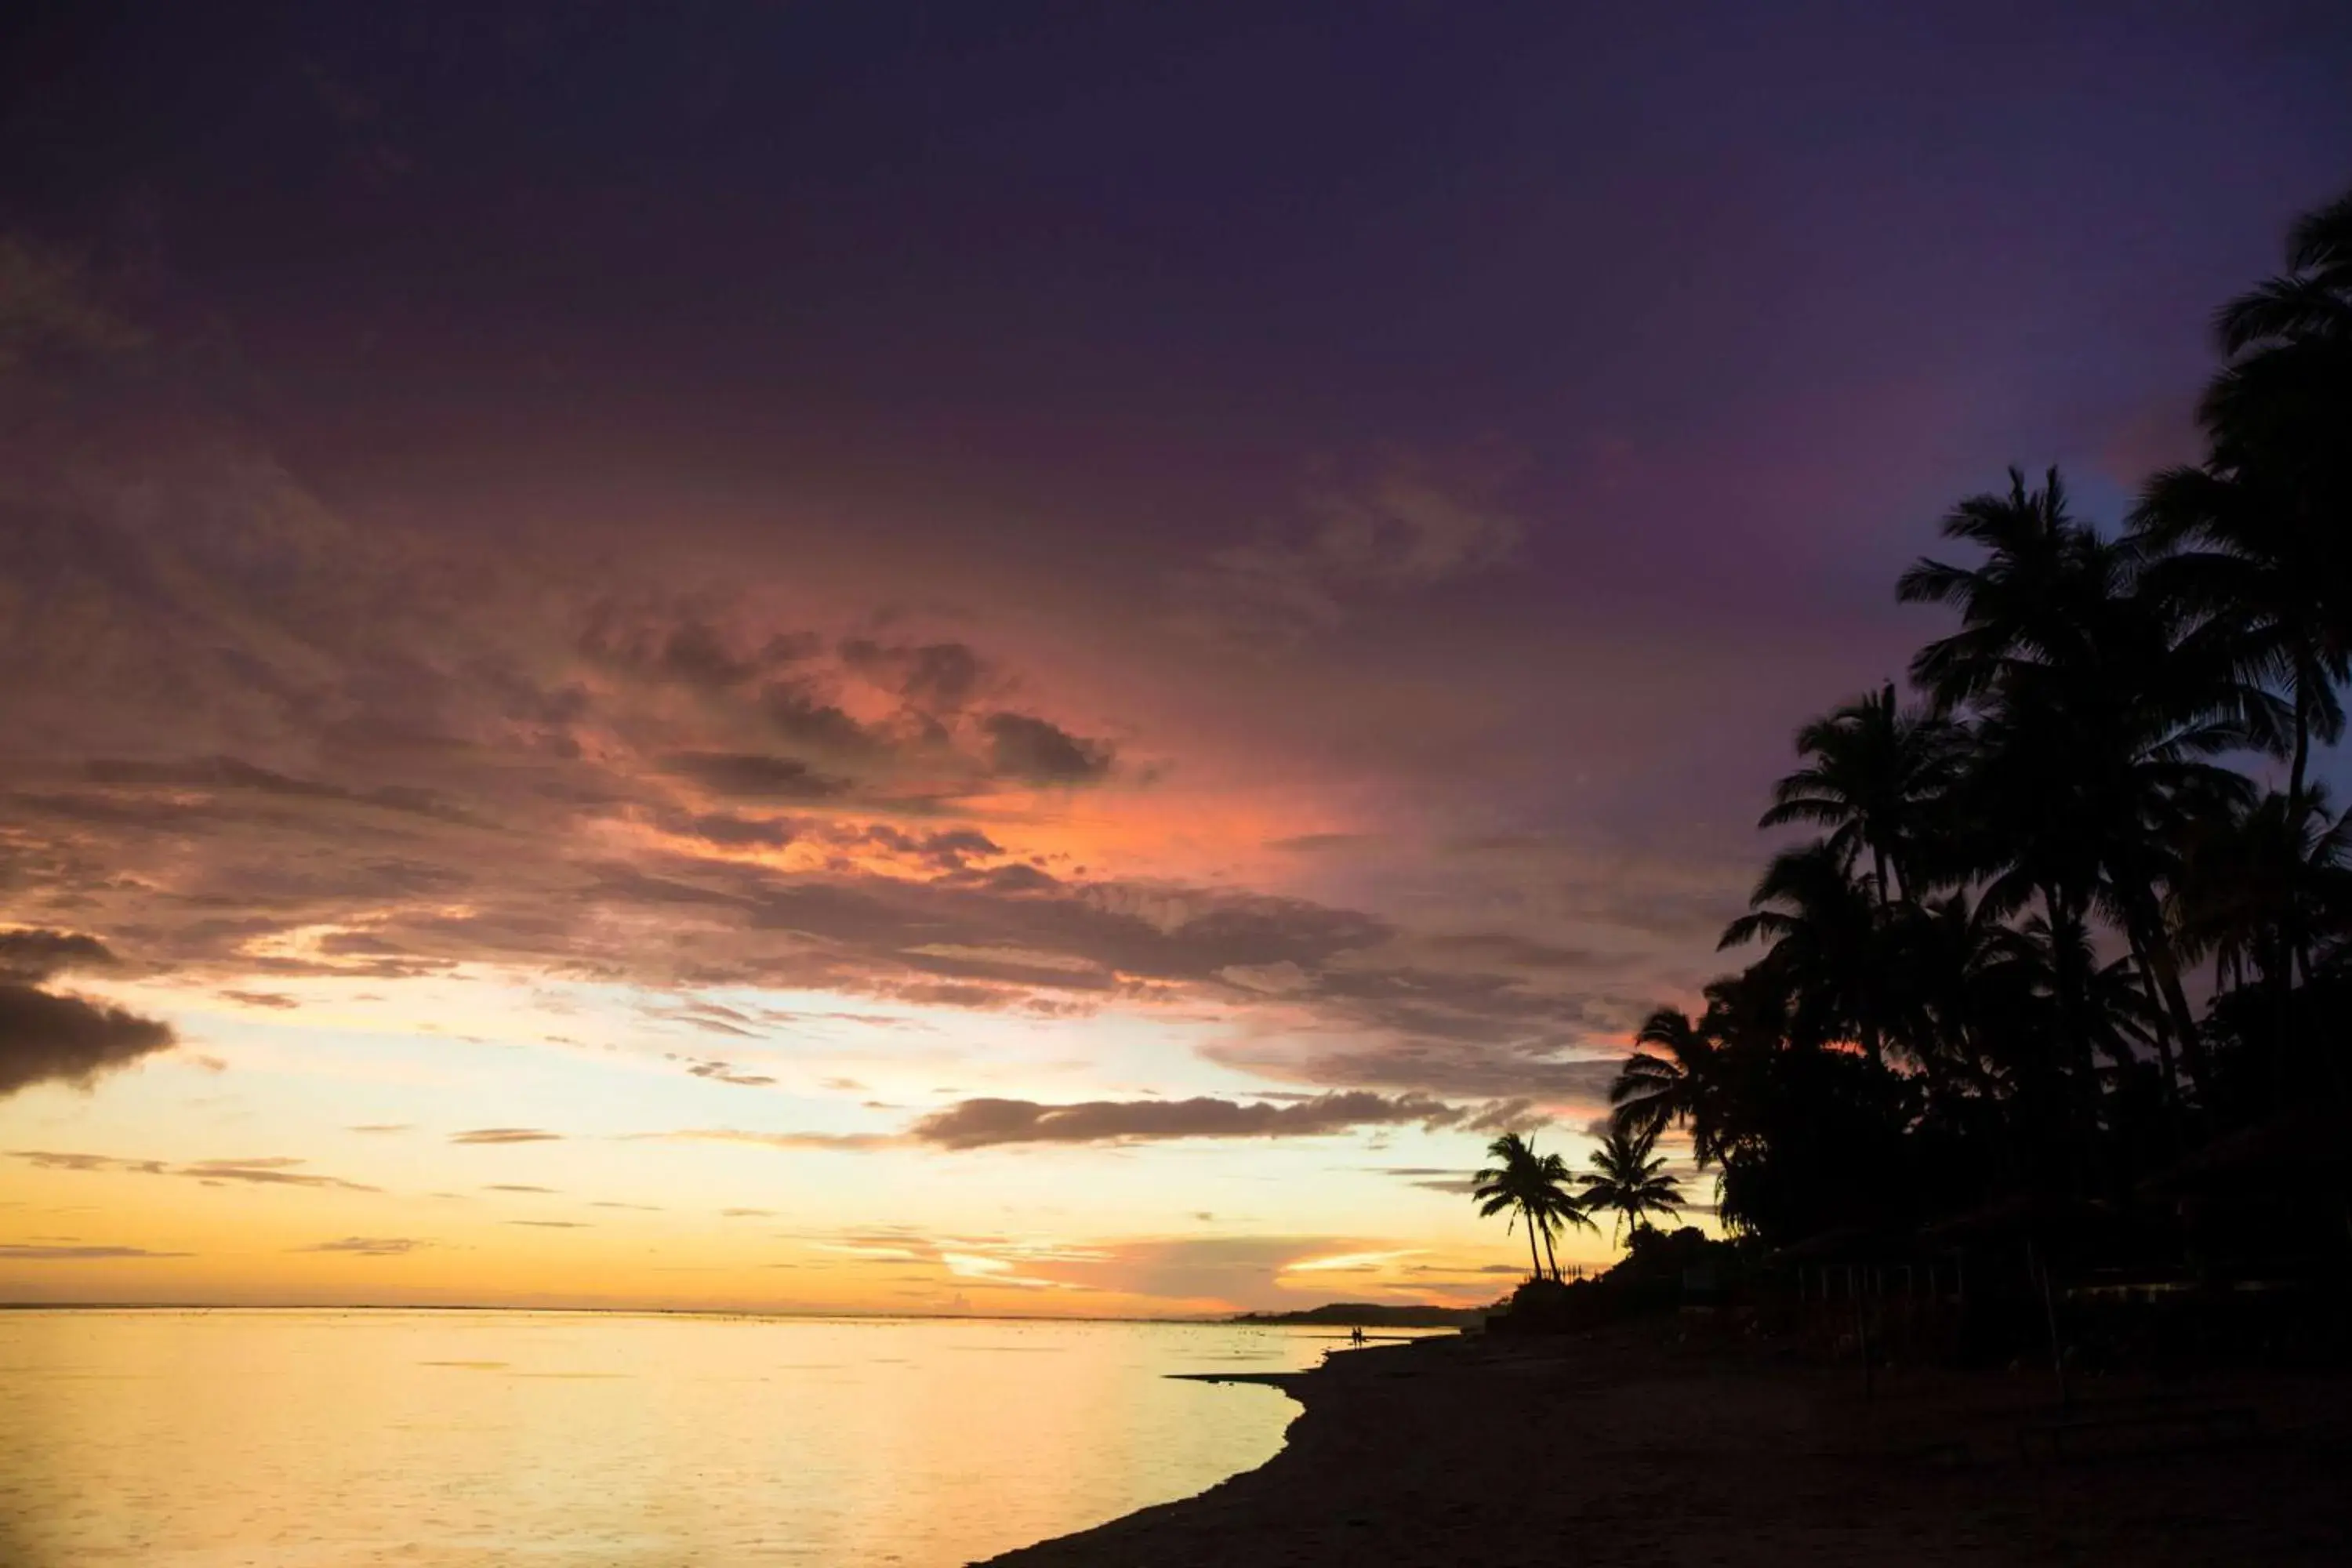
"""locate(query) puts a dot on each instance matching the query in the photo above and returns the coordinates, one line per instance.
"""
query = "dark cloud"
(945, 849)
(505, 1135)
(1511, 1072)
(729, 831)
(687, 650)
(515, 1187)
(360, 703)
(980, 1123)
(226, 773)
(1317, 843)
(46, 1037)
(805, 721)
(1517, 1115)
(367, 1245)
(755, 776)
(1038, 750)
(30, 957)
(17, 1253)
(941, 677)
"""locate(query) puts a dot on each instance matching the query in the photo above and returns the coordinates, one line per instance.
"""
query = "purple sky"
(1346, 504)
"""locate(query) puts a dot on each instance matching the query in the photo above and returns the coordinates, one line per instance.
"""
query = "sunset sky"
(1011, 658)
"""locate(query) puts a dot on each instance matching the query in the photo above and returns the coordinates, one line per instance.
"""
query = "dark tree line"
(2076, 902)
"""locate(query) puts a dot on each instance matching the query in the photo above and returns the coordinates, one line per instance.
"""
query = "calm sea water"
(301, 1439)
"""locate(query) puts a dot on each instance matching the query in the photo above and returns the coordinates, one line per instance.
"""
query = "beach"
(1628, 1447)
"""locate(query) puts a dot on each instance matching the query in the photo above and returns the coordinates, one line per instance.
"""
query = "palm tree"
(2239, 556)
(1825, 949)
(1872, 772)
(2098, 713)
(1679, 1073)
(2282, 405)
(1531, 1187)
(2027, 600)
(1627, 1181)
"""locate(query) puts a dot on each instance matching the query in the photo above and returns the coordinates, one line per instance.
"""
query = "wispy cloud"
(14, 1252)
(980, 1123)
(727, 1072)
(368, 1245)
(505, 1135)
(854, 1142)
(275, 1171)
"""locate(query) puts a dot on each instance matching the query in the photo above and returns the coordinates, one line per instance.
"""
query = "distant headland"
(1376, 1315)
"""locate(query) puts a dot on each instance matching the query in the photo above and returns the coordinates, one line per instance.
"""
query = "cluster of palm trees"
(1629, 1179)
(2076, 902)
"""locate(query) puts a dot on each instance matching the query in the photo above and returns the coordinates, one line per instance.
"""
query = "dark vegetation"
(1373, 1315)
(2066, 962)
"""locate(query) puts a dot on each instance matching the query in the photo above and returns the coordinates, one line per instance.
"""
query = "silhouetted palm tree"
(1873, 774)
(1628, 1181)
(2260, 574)
(2011, 882)
(1531, 1187)
(2033, 596)
(1824, 947)
(1676, 1077)
(2284, 402)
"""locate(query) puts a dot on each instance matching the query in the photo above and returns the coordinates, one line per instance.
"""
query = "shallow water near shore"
(315, 1439)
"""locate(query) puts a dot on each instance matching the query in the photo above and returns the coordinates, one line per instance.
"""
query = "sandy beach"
(1628, 1448)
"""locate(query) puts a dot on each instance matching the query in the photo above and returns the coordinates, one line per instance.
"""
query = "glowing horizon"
(843, 662)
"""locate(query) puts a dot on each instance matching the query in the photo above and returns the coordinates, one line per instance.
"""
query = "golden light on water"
(175, 1439)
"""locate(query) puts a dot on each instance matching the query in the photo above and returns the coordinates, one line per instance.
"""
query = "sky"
(1013, 658)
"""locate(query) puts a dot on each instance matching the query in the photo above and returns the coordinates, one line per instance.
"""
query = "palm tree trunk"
(1535, 1259)
(2074, 1040)
(1552, 1256)
(2163, 1022)
(2303, 682)
(2166, 967)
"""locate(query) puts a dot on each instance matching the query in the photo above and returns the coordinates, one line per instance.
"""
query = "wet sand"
(1628, 1448)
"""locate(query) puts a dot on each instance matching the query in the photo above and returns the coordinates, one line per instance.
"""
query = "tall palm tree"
(2098, 716)
(2237, 554)
(2260, 890)
(2027, 599)
(1679, 1074)
(1824, 946)
(2284, 402)
(1530, 1188)
(1628, 1181)
(1872, 770)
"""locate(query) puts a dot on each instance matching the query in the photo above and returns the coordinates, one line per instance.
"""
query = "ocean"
(459, 1439)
